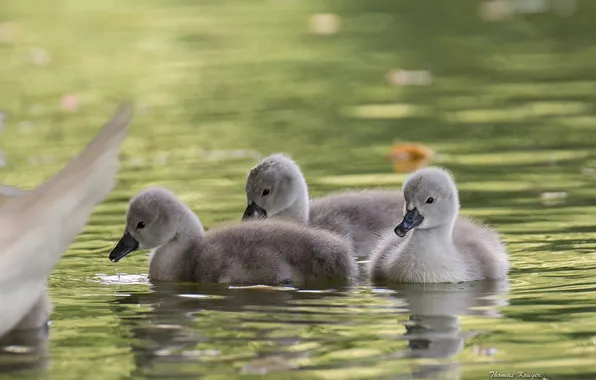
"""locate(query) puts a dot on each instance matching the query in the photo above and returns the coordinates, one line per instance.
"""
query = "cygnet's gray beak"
(126, 245)
(410, 220)
(254, 211)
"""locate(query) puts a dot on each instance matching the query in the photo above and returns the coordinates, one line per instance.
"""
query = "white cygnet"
(276, 188)
(254, 252)
(432, 244)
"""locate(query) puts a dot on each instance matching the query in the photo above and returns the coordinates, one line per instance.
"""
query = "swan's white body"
(37, 226)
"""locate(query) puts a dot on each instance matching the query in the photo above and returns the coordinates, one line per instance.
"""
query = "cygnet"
(254, 252)
(431, 244)
(276, 188)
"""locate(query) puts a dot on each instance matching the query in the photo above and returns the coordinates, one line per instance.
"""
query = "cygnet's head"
(154, 217)
(272, 186)
(431, 200)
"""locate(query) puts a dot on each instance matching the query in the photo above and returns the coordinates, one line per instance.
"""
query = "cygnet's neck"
(430, 240)
(190, 227)
(299, 210)
(168, 261)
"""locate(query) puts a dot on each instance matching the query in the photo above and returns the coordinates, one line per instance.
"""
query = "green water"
(219, 83)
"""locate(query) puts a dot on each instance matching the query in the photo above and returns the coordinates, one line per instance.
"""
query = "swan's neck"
(168, 262)
(299, 210)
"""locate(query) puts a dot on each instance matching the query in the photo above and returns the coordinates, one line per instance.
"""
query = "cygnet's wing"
(37, 226)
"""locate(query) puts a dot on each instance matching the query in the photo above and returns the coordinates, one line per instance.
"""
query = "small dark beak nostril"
(253, 211)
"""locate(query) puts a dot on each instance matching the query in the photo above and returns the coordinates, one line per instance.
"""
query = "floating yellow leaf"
(408, 157)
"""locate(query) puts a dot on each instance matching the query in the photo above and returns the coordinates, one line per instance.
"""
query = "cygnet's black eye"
(266, 192)
(430, 200)
(140, 225)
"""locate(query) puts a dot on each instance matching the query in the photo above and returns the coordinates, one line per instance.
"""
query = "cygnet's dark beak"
(410, 220)
(254, 211)
(126, 245)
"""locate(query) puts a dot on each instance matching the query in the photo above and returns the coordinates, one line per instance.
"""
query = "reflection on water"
(433, 329)
(225, 331)
(25, 350)
(501, 92)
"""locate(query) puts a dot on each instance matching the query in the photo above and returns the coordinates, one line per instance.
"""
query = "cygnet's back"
(276, 188)
(482, 246)
(246, 253)
(274, 251)
(361, 215)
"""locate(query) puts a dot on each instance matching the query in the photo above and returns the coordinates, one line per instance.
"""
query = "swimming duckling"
(439, 247)
(37, 226)
(276, 188)
(246, 253)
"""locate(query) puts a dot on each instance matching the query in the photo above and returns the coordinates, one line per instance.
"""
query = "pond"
(502, 91)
